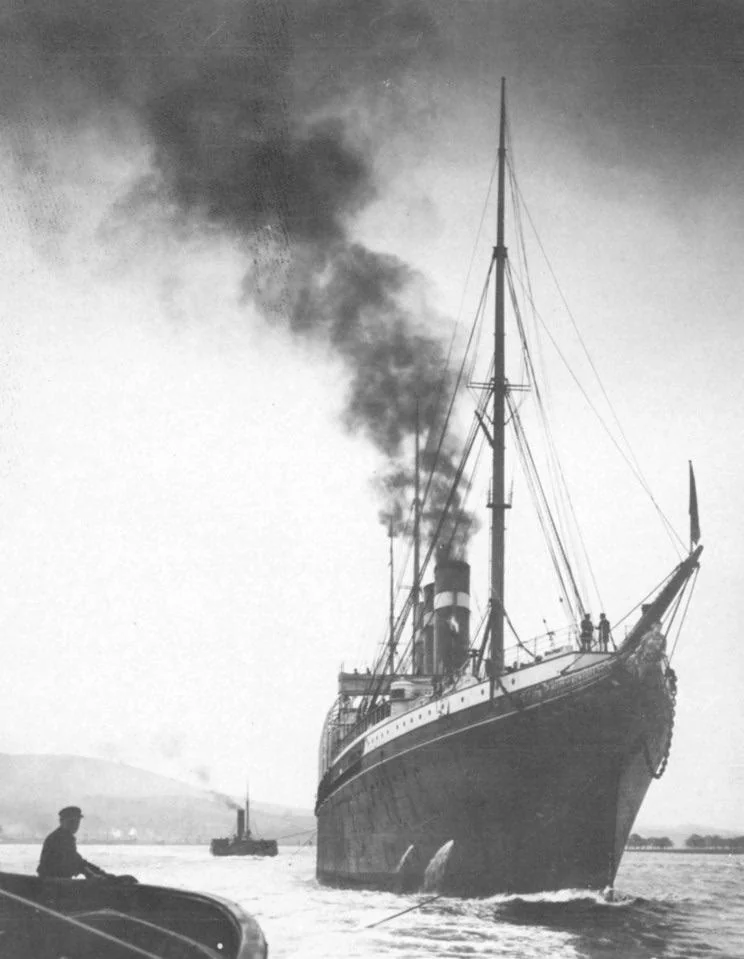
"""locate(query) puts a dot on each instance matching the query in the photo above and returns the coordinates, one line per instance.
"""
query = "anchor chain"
(671, 678)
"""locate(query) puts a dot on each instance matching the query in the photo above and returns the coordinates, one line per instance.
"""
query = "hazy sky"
(233, 243)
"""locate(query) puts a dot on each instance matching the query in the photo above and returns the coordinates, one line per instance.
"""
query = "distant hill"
(120, 801)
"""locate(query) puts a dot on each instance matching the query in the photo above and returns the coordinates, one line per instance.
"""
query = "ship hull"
(536, 793)
(244, 847)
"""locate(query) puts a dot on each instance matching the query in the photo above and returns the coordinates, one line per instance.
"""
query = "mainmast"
(498, 506)
(391, 640)
(416, 529)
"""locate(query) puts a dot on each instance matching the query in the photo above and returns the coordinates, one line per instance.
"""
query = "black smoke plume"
(224, 799)
(259, 118)
(444, 517)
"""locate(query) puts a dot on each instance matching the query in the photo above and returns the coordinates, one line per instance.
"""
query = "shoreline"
(690, 852)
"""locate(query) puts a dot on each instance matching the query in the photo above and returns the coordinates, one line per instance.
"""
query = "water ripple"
(666, 907)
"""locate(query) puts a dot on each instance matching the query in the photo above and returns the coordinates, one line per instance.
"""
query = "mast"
(416, 529)
(247, 809)
(498, 506)
(391, 641)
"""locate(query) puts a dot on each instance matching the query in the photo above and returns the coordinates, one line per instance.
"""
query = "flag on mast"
(694, 517)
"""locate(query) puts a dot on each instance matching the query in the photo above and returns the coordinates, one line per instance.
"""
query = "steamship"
(487, 763)
(243, 843)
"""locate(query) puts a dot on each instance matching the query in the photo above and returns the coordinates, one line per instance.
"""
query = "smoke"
(260, 120)
(202, 774)
(444, 517)
(225, 800)
(169, 745)
(650, 89)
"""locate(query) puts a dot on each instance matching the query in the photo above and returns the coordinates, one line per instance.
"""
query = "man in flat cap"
(59, 856)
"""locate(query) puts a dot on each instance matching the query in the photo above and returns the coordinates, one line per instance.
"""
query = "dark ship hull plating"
(244, 847)
(242, 843)
(527, 792)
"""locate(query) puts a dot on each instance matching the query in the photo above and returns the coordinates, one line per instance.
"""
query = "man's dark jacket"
(60, 858)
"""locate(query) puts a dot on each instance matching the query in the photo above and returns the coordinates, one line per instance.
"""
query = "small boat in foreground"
(88, 919)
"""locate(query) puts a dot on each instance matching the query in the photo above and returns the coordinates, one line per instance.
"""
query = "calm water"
(666, 906)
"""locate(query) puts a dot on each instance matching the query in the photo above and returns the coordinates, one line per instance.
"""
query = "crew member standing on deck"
(603, 633)
(587, 633)
(59, 856)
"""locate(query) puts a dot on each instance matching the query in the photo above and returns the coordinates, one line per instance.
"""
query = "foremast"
(498, 506)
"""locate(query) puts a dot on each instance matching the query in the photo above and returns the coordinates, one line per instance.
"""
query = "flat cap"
(70, 811)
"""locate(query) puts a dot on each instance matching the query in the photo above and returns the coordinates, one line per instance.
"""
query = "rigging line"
(684, 614)
(571, 317)
(442, 518)
(475, 328)
(467, 449)
(654, 589)
(636, 467)
(522, 261)
(567, 514)
(402, 912)
(531, 470)
(302, 845)
(476, 324)
(553, 556)
(473, 252)
(671, 532)
(561, 491)
(375, 686)
(671, 613)
(510, 624)
(481, 625)
(455, 389)
(473, 435)
(484, 212)
(522, 247)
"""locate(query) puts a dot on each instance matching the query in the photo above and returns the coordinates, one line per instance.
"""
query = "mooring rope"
(402, 912)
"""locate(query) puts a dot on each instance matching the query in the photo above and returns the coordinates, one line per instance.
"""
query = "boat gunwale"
(249, 936)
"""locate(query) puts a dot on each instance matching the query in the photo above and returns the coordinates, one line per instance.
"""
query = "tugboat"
(243, 843)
